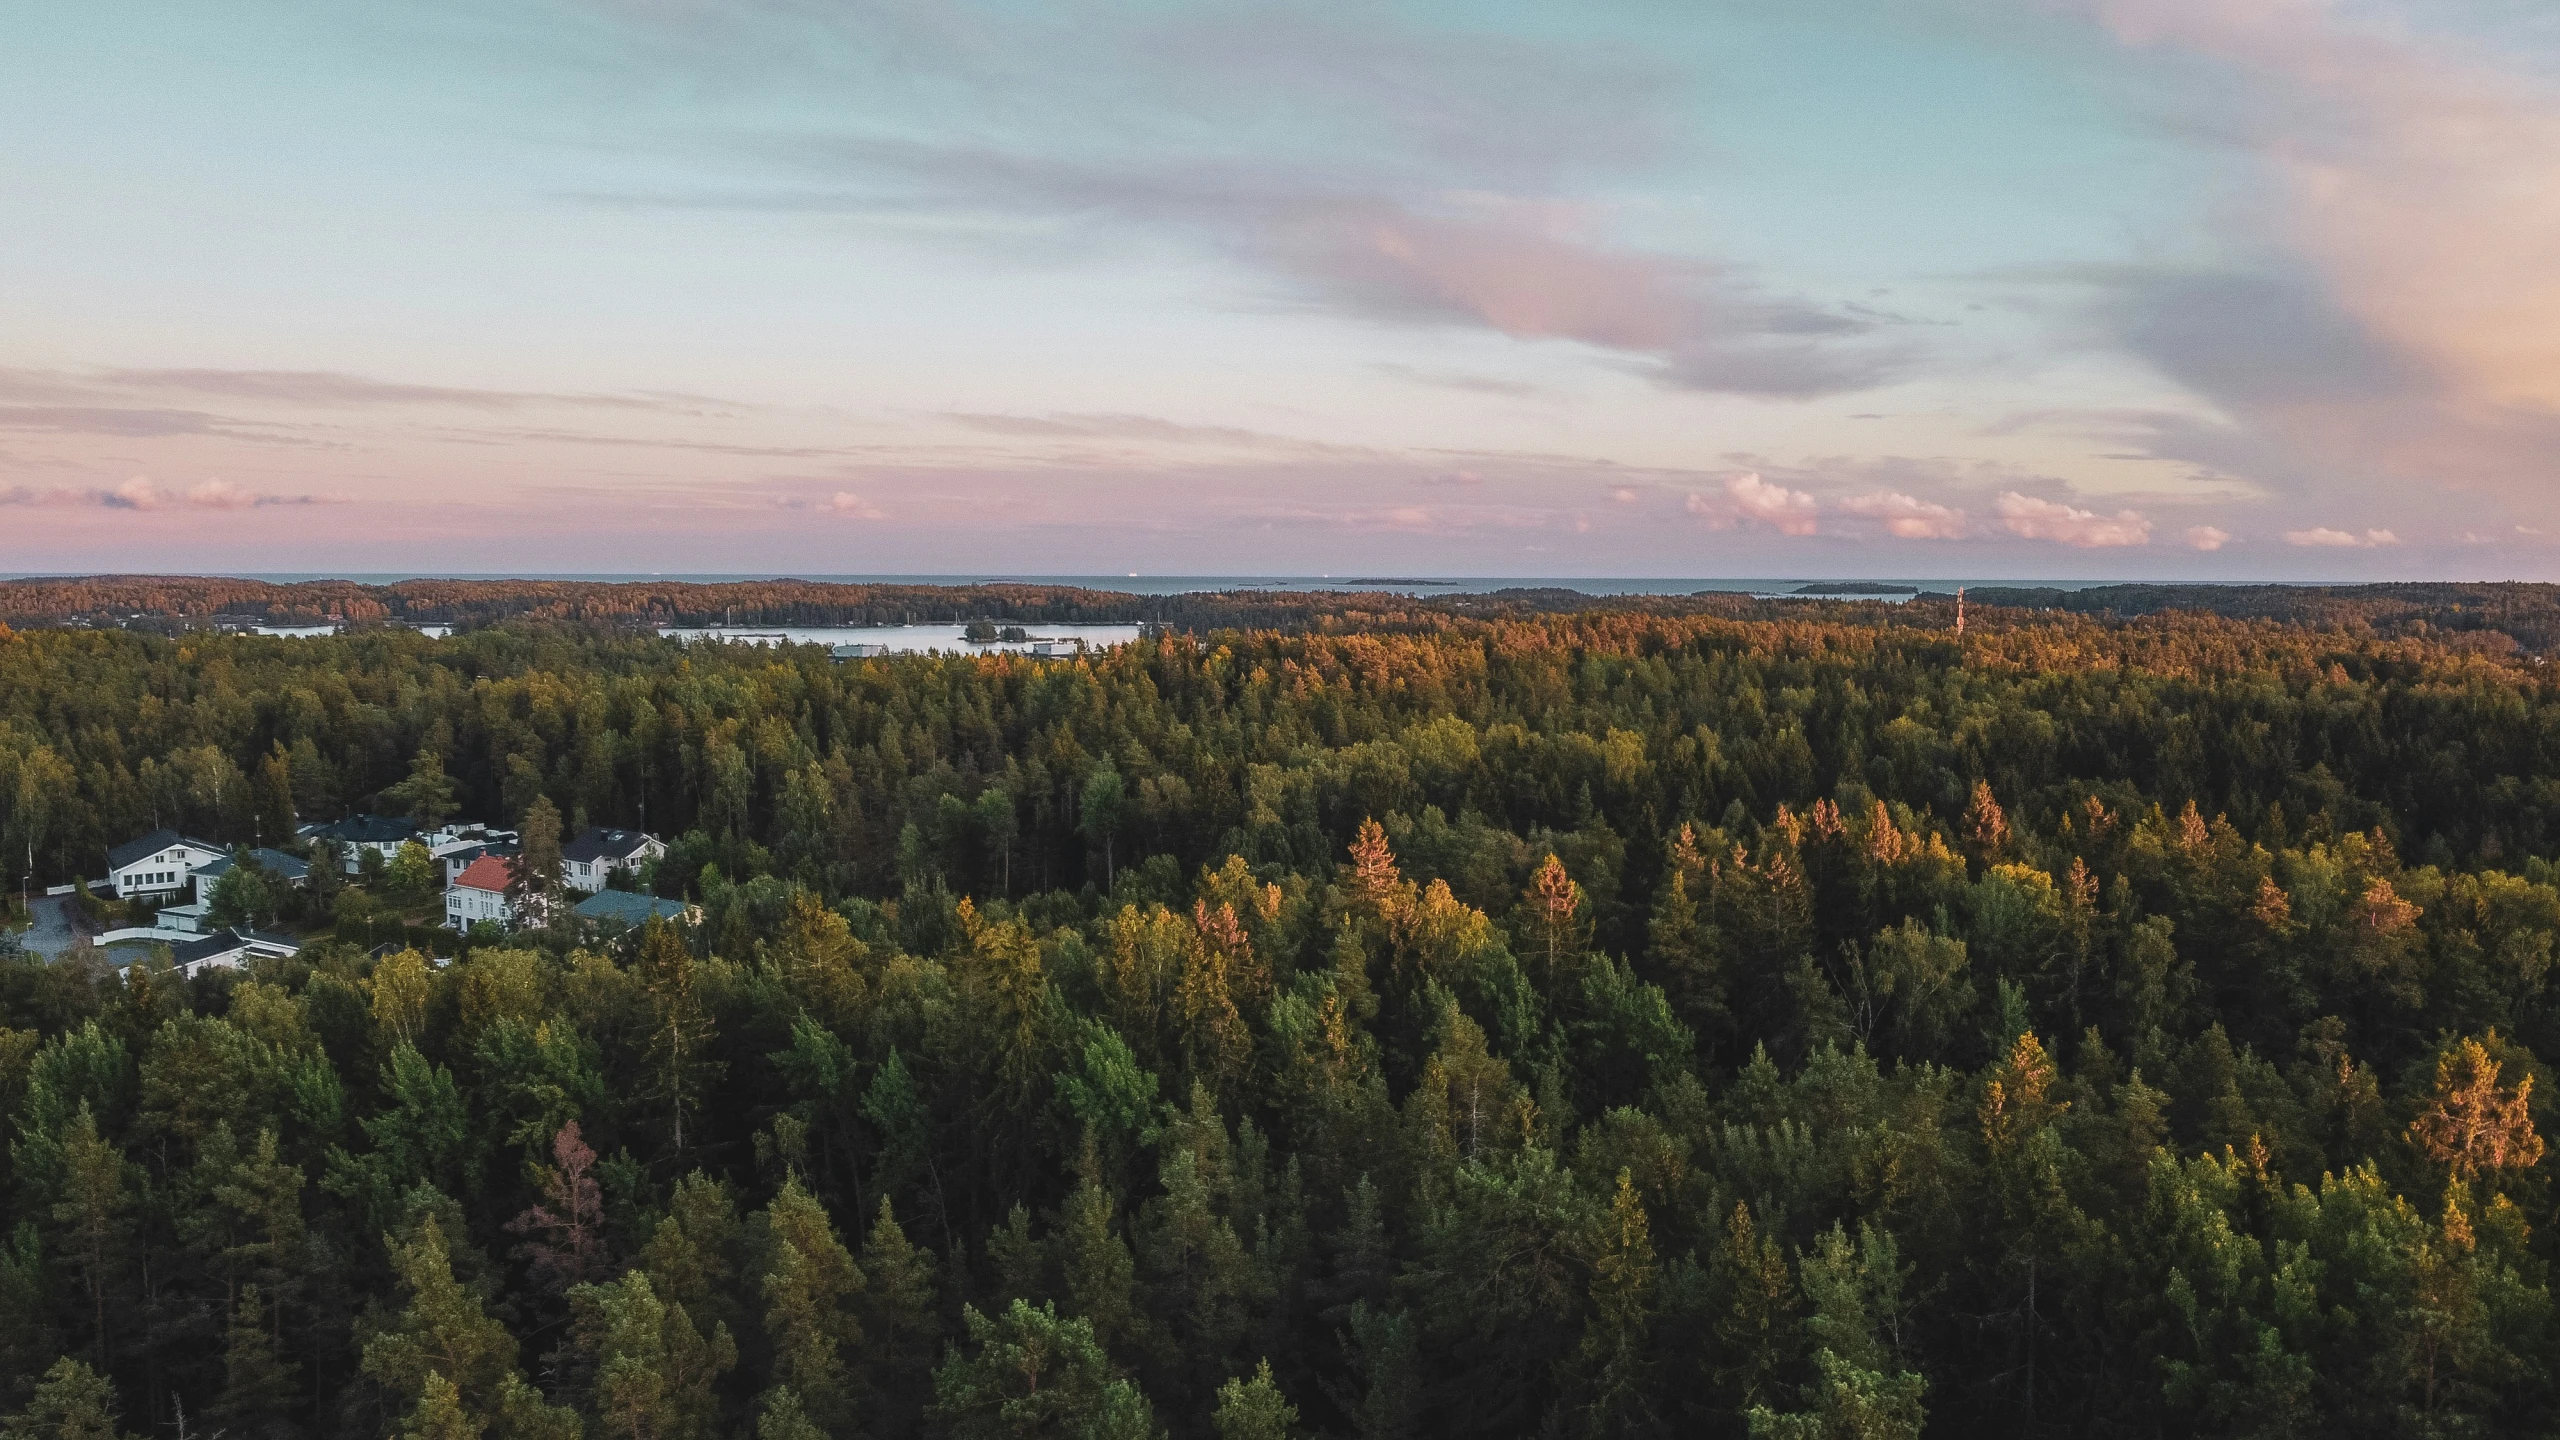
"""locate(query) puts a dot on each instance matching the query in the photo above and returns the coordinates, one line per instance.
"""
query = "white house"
(158, 863)
(463, 857)
(290, 869)
(356, 834)
(458, 844)
(588, 862)
(480, 893)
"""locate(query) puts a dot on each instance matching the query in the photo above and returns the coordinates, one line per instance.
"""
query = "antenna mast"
(1959, 610)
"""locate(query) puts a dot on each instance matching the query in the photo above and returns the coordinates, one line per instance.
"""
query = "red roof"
(489, 872)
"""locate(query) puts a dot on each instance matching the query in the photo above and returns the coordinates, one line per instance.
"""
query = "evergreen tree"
(535, 878)
(654, 1369)
(1028, 1373)
(427, 796)
(810, 1283)
(94, 1233)
(680, 1026)
(1255, 1409)
(71, 1402)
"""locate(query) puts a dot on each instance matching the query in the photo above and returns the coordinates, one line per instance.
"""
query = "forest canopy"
(1776, 1021)
(2502, 616)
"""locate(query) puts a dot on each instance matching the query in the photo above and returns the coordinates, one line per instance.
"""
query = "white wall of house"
(589, 876)
(468, 905)
(166, 871)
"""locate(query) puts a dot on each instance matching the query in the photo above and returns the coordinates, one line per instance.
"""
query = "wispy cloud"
(1467, 382)
(132, 424)
(2395, 315)
(142, 493)
(1410, 176)
(318, 390)
(322, 389)
(843, 502)
(1530, 268)
(1142, 428)
(2207, 537)
(2324, 538)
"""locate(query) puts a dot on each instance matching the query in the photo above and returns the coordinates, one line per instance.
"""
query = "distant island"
(1856, 587)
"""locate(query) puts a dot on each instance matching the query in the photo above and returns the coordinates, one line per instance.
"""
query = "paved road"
(57, 924)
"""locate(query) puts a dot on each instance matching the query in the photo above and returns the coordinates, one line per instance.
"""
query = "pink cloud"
(2207, 537)
(843, 502)
(1908, 516)
(2322, 537)
(142, 493)
(221, 495)
(2052, 520)
(1747, 497)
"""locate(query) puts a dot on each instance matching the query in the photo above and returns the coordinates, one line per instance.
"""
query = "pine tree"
(271, 798)
(897, 1309)
(680, 1027)
(536, 877)
(781, 1418)
(1255, 1409)
(1986, 826)
(259, 1384)
(1616, 1340)
(810, 1282)
(71, 1402)
(654, 1370)
(2471, 1124)
(1097, 1275)
(1860, 1391)
(691, 1255)
(93, 1227)
(439, 1414)
(453, 1362)
(1552, 930)
(427, 796)
(1026, 1373)
(1755, 1331)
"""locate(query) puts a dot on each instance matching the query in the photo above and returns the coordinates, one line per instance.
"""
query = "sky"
(2074, 289)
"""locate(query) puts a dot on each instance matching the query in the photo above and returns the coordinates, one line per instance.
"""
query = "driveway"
(58, 922)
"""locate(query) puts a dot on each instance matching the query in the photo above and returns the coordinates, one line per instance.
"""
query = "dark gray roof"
(622, 907)
(151, 844)
(598, 843)
(274, 862)
(367, 830)
(468, 853)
